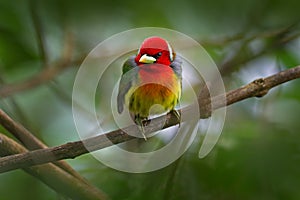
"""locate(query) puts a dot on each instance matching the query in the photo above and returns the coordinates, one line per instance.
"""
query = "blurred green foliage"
(258, 154)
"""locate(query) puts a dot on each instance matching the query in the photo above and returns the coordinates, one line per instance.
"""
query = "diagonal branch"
(53, 176)
(279, 39)
(49, 72)
(30, 141)
(257, 88)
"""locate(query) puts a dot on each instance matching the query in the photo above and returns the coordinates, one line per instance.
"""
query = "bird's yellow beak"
(147, 59)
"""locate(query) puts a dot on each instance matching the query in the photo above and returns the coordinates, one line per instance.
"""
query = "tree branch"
(9, 147)
(30, 141)
(53, 176)
(280, 38)
(49, 72)
(257, 88)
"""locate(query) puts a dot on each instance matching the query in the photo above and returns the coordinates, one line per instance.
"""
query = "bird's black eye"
(156, 56)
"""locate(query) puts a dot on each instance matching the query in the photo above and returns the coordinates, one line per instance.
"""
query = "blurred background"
(258, 154)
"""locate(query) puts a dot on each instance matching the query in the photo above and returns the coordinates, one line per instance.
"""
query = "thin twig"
(282, 38)
(48, 73)
(44, 76)
(39, 31)
(257, 88)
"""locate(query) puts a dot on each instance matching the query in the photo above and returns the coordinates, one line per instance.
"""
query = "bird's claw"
(141, 124)
(177, 115)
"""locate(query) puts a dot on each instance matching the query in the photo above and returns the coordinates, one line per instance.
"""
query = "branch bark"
(53, 176)
(58, 169)
(257, 88)
(30, 141)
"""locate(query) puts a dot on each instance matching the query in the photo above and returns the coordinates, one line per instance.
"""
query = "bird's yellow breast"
(153, 97)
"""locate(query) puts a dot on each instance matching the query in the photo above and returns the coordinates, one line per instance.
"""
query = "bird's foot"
(177, 115)
(141, 124)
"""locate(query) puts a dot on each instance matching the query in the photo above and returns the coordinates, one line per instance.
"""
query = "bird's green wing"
(176, 65)
(129, 74)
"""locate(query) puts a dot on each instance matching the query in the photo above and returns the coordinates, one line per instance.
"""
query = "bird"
(151, 81)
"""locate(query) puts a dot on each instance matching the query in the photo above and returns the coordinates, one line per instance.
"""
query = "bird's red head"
(155, 50)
